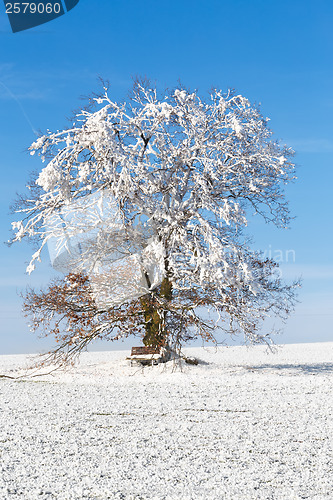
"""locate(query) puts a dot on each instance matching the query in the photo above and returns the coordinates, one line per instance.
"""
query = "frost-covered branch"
(190, 169)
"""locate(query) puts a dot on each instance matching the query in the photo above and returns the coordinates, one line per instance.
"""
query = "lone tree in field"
(185, 171)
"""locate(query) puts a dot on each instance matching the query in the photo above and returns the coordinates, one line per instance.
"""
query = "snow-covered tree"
(177, 179)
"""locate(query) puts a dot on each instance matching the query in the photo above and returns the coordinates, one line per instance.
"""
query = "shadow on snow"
(300, 368)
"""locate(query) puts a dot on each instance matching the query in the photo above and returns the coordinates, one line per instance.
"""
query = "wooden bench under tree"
(148, 355)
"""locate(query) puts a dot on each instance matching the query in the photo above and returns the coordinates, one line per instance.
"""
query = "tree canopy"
(185, 170)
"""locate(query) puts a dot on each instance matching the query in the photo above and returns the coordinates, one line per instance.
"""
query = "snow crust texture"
(243, 424)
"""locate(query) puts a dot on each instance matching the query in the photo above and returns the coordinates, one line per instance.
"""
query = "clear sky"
(276, 52)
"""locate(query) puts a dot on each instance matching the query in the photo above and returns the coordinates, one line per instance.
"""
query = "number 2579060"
(32, 8)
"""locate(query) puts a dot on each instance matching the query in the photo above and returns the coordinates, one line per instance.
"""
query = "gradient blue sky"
(278, 53)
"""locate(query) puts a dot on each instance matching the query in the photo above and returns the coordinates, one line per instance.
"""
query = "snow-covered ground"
(243, 424)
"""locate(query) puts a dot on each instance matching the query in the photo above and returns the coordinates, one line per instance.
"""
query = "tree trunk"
(155, 316)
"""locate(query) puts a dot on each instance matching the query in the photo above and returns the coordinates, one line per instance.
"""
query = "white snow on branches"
(192, 168)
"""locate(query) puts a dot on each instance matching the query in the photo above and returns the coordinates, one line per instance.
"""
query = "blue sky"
(278, 53)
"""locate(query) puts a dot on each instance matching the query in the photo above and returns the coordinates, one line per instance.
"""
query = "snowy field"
(243, 424)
